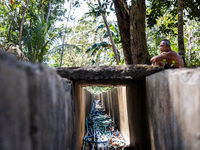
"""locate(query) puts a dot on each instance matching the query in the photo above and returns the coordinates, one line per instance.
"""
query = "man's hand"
(153, 59)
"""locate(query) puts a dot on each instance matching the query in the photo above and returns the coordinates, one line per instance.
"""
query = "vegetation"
(98, 89)
(47, 31)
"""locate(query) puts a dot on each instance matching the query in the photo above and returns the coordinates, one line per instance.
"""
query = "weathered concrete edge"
(115, 73)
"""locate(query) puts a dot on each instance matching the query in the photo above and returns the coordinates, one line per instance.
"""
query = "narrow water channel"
(101, 131)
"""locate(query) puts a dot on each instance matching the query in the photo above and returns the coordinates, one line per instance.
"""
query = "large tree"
(131, 21)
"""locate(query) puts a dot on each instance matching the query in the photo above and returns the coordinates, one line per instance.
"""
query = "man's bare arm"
(166, 55)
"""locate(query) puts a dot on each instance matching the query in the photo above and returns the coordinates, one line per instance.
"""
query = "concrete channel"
(42, 108)
(101, 131)
(126, 103)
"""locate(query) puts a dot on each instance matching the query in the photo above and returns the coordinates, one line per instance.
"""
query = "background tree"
(181, 47)
(65, 29)
(109, 33)
(131, 21)
(104, 46)
(103, 9)
(76, 43)
(39, 39)
(21, 25)
(21, 18)
(123, 18)
(138, 41)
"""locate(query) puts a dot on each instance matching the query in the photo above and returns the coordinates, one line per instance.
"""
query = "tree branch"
(48, 12)
(21, 26)
(110, 35)
(63, 41)
(125, 6)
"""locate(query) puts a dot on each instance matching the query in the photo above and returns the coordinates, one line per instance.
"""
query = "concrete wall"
(37, 109)
(83, 103)
(110, 102)
(127, 106)
(174, 108)
(137, 115)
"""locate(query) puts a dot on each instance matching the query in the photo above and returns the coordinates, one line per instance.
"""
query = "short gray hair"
(167, 42)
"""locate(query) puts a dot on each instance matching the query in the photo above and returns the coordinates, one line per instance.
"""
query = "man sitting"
(168, 58)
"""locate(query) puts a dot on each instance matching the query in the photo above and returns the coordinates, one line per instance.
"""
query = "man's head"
(165, 45)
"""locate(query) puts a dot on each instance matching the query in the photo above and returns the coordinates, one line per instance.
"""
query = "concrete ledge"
(105, 73)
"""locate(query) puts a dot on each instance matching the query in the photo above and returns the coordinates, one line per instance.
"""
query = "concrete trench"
(127, 114)
(101, 130)
(126, 104)
(45, 109)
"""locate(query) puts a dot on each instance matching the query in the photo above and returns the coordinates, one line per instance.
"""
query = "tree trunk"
(112, 41)
(10, 29)
(9, 33)
(140, 54)
(21, 26)
(181, 48)
(190, 44)
(63, 42)
(110, 35)
(123, 20)
(48, 12)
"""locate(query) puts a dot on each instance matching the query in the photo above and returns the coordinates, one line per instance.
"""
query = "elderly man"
(168, 58)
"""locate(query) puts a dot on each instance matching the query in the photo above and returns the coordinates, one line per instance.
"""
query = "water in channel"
(101, 132)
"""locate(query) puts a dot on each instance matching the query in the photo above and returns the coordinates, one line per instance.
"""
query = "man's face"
(163, 47)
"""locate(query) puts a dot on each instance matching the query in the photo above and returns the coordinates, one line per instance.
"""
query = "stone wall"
(37, 109)
(174, 108)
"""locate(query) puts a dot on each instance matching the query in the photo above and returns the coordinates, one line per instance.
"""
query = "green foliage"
(87, 42)
(157, 8)
(99, 49)
(98, 89)
(11, 19)
(167, 10)
(101, 26)
(106, 5)
(192, 43)
(38, 39)
(194, 59)
(97, 46)
(163, 15)
(76, 43)
(193, 9)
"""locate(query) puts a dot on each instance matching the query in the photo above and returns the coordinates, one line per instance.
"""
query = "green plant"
(39, 38)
